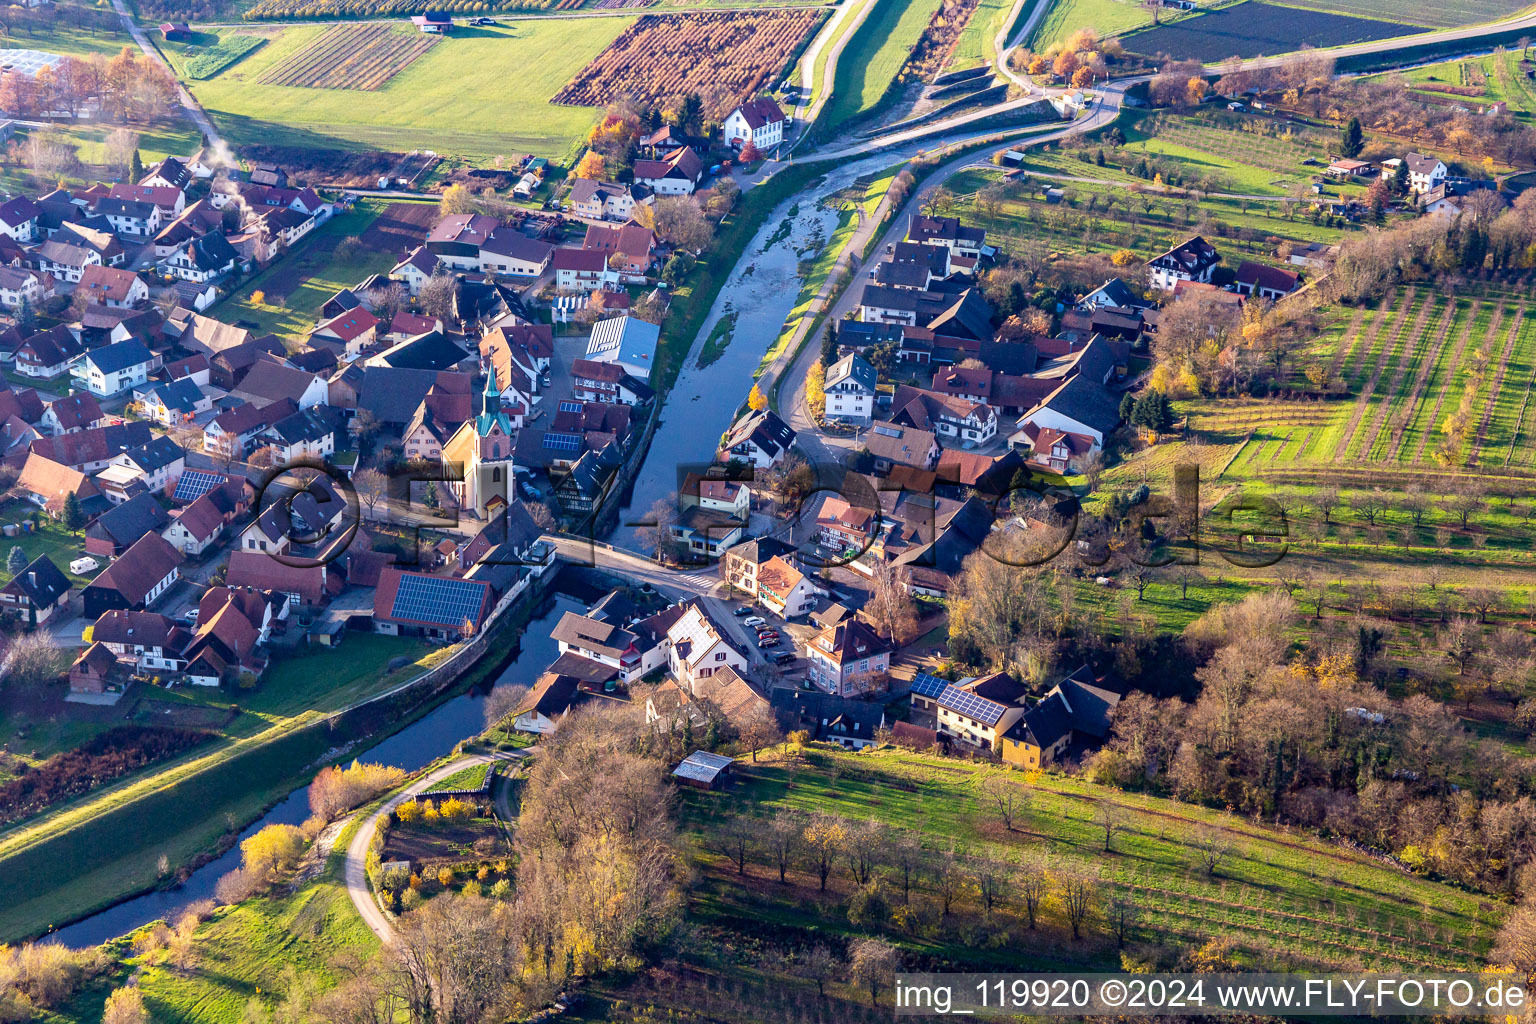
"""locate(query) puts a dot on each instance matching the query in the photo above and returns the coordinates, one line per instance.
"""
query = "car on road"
(743, 610)
(482, 21)
(754, 621)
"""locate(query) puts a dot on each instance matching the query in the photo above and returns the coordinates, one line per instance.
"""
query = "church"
(482, 448)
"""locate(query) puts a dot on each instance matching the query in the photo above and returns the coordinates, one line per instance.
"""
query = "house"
(429, 351)
(582, 270)
(607, 383)
(231, 626)
(115, 530)
(978, 711)
(198, 333)
(972, 424)
(48, 484)
(842, 526)
(627, 248)
(848, 659)
(958, 531)
(510, 252)
(544, 707)
(625, 341)
(64, 261)
(759, 121)
(1314, 255)
(269, 381)
(35, 593)
(1113, 293)
(438, 23)
(136, 580)
(22, 288)
(18, 219)
(1450, 198)
(170, 202)
(175, 32)
(1424, 172)
(436, 607)
(1191, 260)
(1076, 711)
(416, 269)
(1061, 451)
(159, 462)
(47, 354)
(349, 333)
(108, 372)
(232, 431)
(891, 445)
(1083, 404)
(97, 237)
(169, 173)
(698, 649)
(828, 718)
(590, 479)
(305, 434)
(1350, 169)
(761, 440)
(305, 586)
(675, 174)
(129, 216)
(93, 449)
(741, 564)
(95, 671)
(785, 590)
(605, 200)
(714, 514)
(456, 239)
(199, 525)
(201, 260)
(174, 403)
(606, 643)
(850, 390)
(149, 641)
(703, 770)
(72, 414)
(1264, 281)
(961, 241)
(109, 286)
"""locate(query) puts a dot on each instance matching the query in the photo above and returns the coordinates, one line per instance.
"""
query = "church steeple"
(491, 415)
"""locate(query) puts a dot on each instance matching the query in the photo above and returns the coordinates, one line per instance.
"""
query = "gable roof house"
(18, 219)
(437, 607)
(116, 529)
(455, 240)
(48, 484)
(173, 403)
(93, 449)
(699, 649)
(626, 341)
(675, 174)
(73, 413)
(892, 445)
(760, 439)
(21, 286)
(64, 261)
(1191, 260)
(202, 259)
(1424, 172)
(1076, 712)
(110, 286)
(129, 216)
(158, 464)
(848, 659)
(347, 333)
(168, 173)
(785, 590)
(827, 717)
(1084, 404)
(961, 240)
(850, 390)
(759, 120)
(1264, 281)
(509, 251)
(198, 525)
(136, 580)
(605, 200)
(169, 201)
(582, 270)
(47, 354)
(270, 381)
(108, 372)
(627, 248)
(35, 593)
(972, 424)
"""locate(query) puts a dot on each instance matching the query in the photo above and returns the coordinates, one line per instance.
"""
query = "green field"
(1496, 77)
(975, 45)
(296, 286)
(1448, 15)
(872, 60)
(1276, 896)
(482, 93)
(71, 41)
(470, 778)
(1106, 17)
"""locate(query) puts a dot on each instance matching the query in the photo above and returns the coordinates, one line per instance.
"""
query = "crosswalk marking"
(701, 582)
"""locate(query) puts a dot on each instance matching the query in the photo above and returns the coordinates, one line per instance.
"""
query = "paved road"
(195, 112)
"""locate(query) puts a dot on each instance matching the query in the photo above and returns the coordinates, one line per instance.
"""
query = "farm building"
(703, 770)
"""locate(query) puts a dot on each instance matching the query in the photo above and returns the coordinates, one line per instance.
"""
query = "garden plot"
(352, 57)
(1254, 29)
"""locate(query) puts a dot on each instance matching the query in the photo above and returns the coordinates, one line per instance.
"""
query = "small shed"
(703, 770)
(176, 32)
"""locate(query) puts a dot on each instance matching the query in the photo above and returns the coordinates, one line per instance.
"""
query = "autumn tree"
(824, 838)
(816, 389)
(125, 1006)
(1077, 888)
(272, 851)
(681, 223)
(872, 965)
(31, 661)
(890, 608)
(1009, 799)
(756, 400)
(591, 167)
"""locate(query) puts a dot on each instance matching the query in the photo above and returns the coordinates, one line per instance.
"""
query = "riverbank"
(118, 889)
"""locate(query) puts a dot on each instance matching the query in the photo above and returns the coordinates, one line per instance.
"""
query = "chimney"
(32, 579)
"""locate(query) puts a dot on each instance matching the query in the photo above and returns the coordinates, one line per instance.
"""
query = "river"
(413, 747)
(761, 291)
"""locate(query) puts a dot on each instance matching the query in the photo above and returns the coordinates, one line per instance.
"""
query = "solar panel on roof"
(562, 442)
(570, 406)
(925, 685)
(195, 483)
(886, 431)
(967, 703)
(437, 599)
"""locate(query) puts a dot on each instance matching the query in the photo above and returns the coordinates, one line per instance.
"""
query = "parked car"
(774, 642)
(755, 621)
(482, 21)
(783, 657)
(743, 610)
(527, 491)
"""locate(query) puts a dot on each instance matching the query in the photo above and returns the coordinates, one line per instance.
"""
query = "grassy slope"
(481, 93)
(72, 42)
(1107, 17)
(975, 44)
(1284, 891)
(872, 58)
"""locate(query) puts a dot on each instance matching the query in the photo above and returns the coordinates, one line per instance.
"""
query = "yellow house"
(1080, 706)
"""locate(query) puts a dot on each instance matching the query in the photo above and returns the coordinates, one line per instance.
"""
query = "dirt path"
(1445, 386)
(1498, 381)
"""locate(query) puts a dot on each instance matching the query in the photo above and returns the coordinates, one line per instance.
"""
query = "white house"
(111, 286)
(761, 120)
(158, 463)
(761, 440)
(1424, 172)
(850, 390)
(509, 251)
(847, 659)
(699, 649)
(19, 285)
(582, 270)
(197, 528)
(785, 590)
(676, 174)
(116, 368)
(1191, 260)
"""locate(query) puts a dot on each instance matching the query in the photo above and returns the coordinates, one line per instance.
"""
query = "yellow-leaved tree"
(590, 166)
(756, 400)
(816, 389)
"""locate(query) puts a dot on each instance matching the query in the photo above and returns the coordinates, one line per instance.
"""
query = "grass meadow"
(1281, 895)
(872, 59)
(482, 93)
